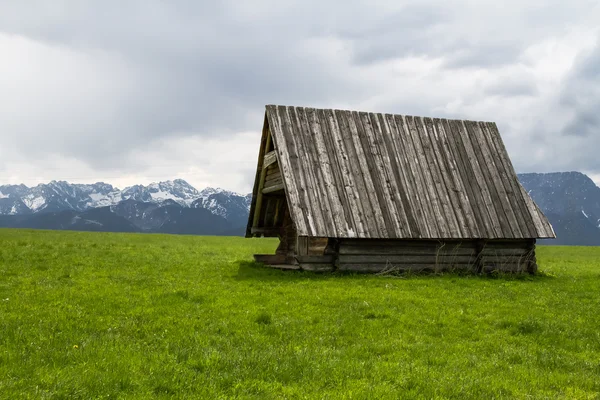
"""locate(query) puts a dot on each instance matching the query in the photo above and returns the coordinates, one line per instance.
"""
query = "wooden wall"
(371, 255)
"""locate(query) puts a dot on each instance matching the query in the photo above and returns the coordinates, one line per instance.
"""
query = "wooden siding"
(363, 255)
(349, 174)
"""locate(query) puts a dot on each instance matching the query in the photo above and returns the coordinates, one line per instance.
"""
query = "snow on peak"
(584, 214)
(3, 196)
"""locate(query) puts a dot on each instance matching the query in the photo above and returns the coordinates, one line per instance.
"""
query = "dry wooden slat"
(400, 268)
(270, 158)
(395, 153)
(492, 183)
(403, 259)
(414, 185)
(373, 219)
(363, 219)
(303, 141)
(286, 169)
(366, 175)
(271, 189)
(433, 216)
(432, 154)
(487, 205)
(390, 186)
(379, 226)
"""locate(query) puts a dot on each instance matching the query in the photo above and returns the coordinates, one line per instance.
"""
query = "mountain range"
(570, 200)
(163, 207)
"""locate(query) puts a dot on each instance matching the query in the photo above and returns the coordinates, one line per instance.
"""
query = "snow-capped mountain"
(571, 201)
(170, 206)
(61, 195)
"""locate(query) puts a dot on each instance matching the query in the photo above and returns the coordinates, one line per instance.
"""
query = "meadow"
(104, 315)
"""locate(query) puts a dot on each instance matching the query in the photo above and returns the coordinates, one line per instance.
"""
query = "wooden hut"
(358, 191)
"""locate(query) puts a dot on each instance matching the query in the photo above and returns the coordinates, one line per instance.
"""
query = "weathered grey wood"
(321, 190)
(313, 267)
(381, 250)
(270, 158)
(404, 259)
(392, 268)
(493, 227)
(271, 189)
(527, 228)
(373, 219)
(415, 185)
(312, 259)
(353, 174)
(261, 184)
(487, 169)
(287, 169)
(302, 245)
(298, 156)
(428, 139)
(390, 184)
(304, 140)
(396, 154)
(337, 214)
(378, 176)
(364, 217)
(433, 217)
(496, 170)
(448, 183)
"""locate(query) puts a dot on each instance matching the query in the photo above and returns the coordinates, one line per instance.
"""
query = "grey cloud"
(170, 70)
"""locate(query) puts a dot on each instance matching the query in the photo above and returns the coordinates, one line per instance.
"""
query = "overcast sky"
(138, 91)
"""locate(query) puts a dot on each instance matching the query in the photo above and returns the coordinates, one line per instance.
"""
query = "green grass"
(150, 316)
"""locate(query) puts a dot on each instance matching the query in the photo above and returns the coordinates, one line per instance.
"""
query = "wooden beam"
(259, 196)
(272, 189)
(270, 158)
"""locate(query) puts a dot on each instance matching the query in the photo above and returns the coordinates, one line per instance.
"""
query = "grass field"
(149, 316)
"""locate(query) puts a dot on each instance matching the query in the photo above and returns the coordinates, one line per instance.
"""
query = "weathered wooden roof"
(367, 175)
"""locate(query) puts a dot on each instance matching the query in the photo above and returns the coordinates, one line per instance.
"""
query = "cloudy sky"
(141, 91)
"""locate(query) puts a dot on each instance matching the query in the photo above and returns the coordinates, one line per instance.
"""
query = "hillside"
(109, 315)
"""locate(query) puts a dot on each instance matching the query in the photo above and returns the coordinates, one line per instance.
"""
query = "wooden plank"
(403, 259)
(287, 168)
(325, 201)
(270, 158)
(311, 259)
(302, 245)
(317, 267)
(356, 192)
(376, 174)
(415, 186)
(319, 130)
(304, 141)
(493, 229)
(432, 216)
(327, 120)
(277, 216)
(261, 183)
(527, 224)
(429, 140)
(373, 219)
(349, 194)
(273, 181)
(391, 268)
(408, 251)
(255, 190)
(505, 190)
(390, 185)
(448, 178)
(467, 175)
(298, 155)
(455, 185)
(396, 154)
(271, 189)
(493, 184)
(366, 166)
